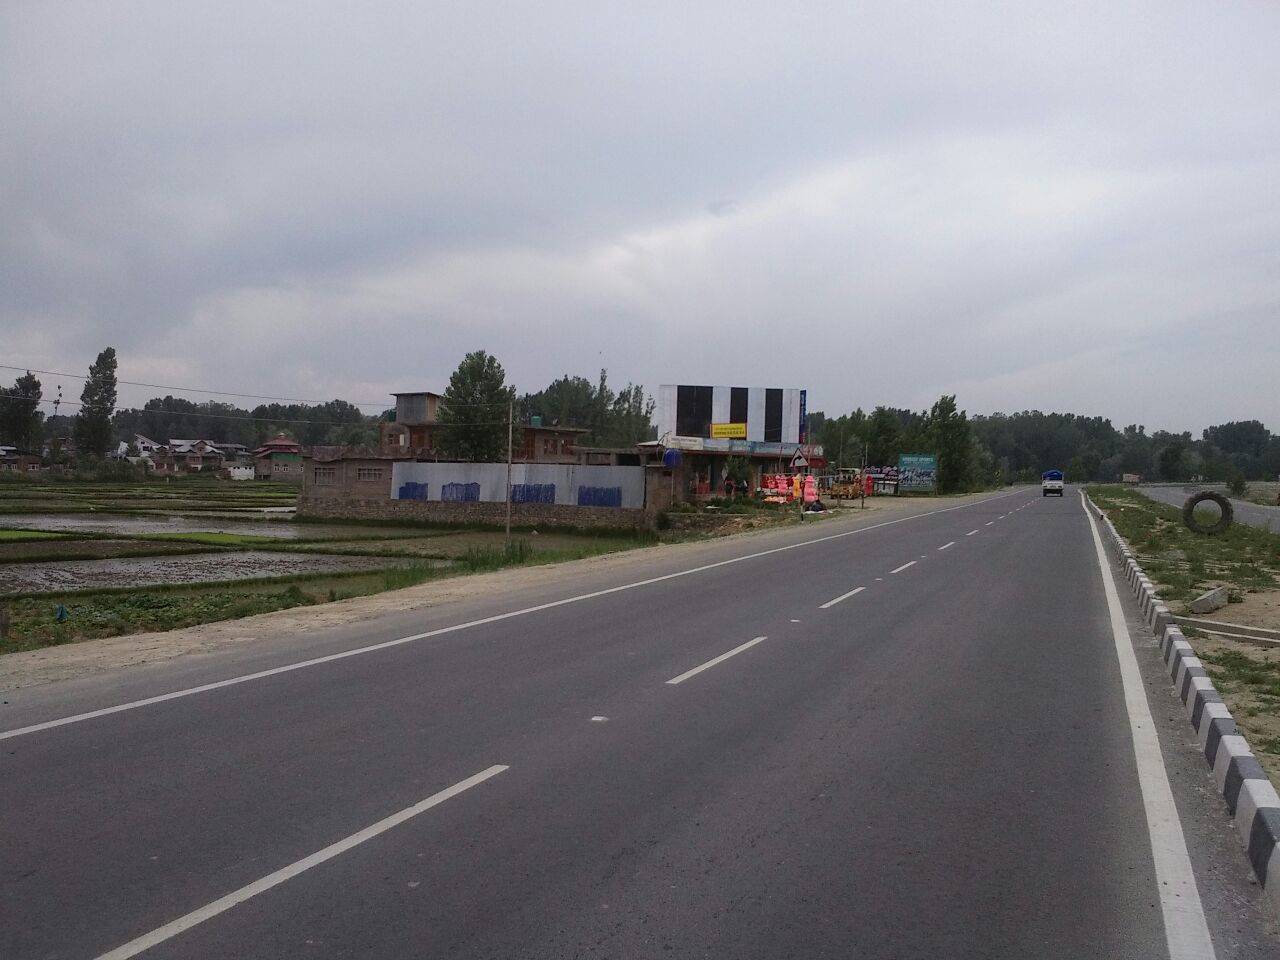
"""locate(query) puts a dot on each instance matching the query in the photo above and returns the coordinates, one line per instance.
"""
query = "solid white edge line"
(1185, 929)
(358, 651)
(945, 545)
(712, 662)
(222, 904)
(843, 596)
(910, 563)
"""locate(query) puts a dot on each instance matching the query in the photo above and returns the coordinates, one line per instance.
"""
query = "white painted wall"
(755, 414)
(790, 416)
(665, 411)
(492, 478)
(720, 404)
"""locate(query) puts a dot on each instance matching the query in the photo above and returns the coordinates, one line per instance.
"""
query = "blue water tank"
(671, 459)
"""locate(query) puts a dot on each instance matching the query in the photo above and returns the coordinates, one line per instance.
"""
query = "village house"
(196, 456)
(13, 460)
(280, 458)
(415, 431)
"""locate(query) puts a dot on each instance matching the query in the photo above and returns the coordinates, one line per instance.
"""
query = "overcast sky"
(1034, 205)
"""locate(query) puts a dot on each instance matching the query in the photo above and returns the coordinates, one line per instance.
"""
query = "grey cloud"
(1016, 203)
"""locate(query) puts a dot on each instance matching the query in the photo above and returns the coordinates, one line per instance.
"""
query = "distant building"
(766, 426)
(415, 432)
(417, 419)
(13, 460)
(280, 458)
(196, 456)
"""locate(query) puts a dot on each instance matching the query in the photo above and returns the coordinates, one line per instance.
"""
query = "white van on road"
(1051, 483)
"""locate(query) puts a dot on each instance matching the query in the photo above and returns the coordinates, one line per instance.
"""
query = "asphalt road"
(1245, 511)
(939, 765)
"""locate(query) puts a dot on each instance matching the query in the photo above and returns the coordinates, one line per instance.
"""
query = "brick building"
(414, 434)
(280, 458)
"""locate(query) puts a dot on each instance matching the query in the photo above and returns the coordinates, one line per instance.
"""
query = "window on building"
(325, 476)
(368, 474)
(548, 445)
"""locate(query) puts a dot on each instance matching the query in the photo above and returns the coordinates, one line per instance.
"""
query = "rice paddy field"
(86, 559)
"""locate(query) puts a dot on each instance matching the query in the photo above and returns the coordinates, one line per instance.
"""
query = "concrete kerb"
(1250, 796)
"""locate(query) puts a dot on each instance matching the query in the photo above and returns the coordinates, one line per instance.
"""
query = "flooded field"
(146, 525)
(188, 568)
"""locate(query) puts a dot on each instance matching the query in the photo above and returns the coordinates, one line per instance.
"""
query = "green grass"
(216, 539)
(124, 610)
(1185, 564)
(1249, 679)
(18, 536)
(35, 622)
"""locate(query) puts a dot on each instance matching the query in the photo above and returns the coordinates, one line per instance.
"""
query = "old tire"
(1189, 513)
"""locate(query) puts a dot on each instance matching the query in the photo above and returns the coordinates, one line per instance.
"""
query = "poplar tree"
(93, 430)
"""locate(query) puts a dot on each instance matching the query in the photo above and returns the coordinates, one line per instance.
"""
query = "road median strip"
(1250, 796)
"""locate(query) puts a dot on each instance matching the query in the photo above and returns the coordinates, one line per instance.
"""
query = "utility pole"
(863, 476)
(511, 421)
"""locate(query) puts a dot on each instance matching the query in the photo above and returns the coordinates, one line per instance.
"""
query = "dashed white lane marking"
(945, 545)
(1185, 929)
(990, 522)
(720, 659)
(453, 628)
(972, 532)
(795, 621)
(222, 904)
(599, 719)
(843, 596)
(909, 563)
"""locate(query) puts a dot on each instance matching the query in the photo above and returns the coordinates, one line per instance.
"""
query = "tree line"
(880, 437)
(474, 411)
(1006, 448)
(973, 451)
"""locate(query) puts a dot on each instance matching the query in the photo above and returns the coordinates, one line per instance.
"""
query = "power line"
(227, 416)
(242, 396)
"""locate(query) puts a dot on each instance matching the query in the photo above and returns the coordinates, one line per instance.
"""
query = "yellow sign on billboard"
(728, 431)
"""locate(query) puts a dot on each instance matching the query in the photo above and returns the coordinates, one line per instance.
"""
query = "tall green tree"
(613, 419)
(473, 411)
(21, 422)
(948, 429)
(884, 433)
(93, 432)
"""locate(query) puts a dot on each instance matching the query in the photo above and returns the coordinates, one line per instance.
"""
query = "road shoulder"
(91, 658)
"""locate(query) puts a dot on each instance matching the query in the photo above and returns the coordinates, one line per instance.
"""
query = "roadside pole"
(511, 421)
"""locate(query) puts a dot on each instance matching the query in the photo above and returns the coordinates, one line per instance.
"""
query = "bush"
(489, 558)
(1236, 484)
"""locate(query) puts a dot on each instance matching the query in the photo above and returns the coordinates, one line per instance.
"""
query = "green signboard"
(918, 471)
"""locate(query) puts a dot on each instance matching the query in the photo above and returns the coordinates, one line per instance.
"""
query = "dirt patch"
(459, 543)
(143, 525)
(83, 550)
(187, 567)
(1248, 677)
(1258, 609)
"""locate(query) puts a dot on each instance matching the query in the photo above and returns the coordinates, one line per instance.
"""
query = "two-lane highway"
(905, 739)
